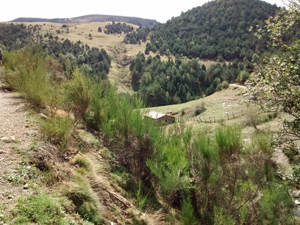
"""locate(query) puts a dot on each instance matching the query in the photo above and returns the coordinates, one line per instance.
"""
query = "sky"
(160, 10)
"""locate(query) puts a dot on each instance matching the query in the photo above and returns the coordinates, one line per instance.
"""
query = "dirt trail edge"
(17, 132)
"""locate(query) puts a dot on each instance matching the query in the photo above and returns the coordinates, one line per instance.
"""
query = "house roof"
(156, 115)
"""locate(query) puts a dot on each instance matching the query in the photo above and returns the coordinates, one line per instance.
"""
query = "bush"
(229, 141)
(58, 129)
(243, 76)
(81, 194)
(222, 218)
(140, 197)
(276, 206)
(82, 162)
(40, 209)
(77, 95)
(199, 109)
(171, 167)
(27, 72)
(187, 214)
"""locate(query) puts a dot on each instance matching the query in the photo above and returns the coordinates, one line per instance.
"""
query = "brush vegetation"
(210, 177)
(206, 177)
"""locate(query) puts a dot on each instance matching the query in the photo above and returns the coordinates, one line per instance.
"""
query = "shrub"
(28, 73)
(243, 76)
(77, 95)
(276, 206)
(40, 209)
(187, 214)
(222, 218)
(182, 112)
(171, 167)
(199, 109)
(81, 194)
(228, 140)
(58, 129)
(223, 85)
(82, 162)
(88, 212)
(140, 197)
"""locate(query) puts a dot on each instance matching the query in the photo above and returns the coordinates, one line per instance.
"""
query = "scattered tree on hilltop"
(118, 28)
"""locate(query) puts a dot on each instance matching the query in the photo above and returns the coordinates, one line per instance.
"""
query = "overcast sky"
(160, 10)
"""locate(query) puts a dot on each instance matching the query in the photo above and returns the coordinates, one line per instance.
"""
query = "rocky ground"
(17, 133)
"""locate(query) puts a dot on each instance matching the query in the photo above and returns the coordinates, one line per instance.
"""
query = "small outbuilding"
(160, 117)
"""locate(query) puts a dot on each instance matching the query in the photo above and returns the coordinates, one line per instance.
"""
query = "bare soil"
(17, 132)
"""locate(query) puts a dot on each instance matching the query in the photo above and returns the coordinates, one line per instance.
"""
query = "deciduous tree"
(276, 86)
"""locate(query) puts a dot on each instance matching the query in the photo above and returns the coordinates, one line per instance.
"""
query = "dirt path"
(17, 132)
(238, 85)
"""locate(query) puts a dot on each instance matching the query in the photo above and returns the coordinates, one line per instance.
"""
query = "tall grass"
(28, 73)
(58, 129)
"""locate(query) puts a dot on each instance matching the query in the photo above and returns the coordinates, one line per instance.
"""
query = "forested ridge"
(215, 30)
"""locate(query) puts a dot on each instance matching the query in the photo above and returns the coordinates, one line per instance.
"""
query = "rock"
(10, 197)
(88, 138)
(297, 202)
(296, 193)
(43, 116)
(25, 186)
(7, 139)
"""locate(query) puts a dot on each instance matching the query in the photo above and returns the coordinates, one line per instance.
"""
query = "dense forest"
(216, 30)
(15, 36)
(162, 83)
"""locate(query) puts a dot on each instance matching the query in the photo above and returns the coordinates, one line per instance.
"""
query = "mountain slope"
(92, 18)
(216, 29)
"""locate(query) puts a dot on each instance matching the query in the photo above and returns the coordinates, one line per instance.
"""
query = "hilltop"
(215, 30)
(92, 18)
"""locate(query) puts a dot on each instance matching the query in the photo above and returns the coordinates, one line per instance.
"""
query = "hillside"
(215, 30)
(73, 150)
(92, 18)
